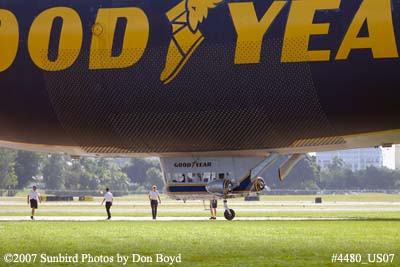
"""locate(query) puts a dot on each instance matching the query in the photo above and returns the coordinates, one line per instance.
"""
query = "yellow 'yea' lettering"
(378, 16)
(250, 31)
(300, 27)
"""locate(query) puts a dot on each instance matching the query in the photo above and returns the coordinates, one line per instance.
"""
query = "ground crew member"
(33, 198)
(213, 209)
(108, 198)
(154, 198)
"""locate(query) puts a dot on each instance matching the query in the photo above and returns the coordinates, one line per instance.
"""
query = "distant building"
(354, 159)
(397, 157)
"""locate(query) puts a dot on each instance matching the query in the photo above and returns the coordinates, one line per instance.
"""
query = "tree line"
(20, 169)
(308, 175)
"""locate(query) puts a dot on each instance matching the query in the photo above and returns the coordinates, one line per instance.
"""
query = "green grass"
(395, 215)
(136, 206)
(357, 197)
(211, 243)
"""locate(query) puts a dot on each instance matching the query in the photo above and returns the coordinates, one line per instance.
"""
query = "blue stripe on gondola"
(189, 188)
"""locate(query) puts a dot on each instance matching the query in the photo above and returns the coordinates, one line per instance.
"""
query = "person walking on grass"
(32, 199)
(108, 198)
(213, 209)
(154, 198)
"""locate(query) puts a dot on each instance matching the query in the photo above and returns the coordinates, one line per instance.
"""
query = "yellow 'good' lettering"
(381, 39)
(250, 30)
(9, 39)
(135, 38)
(70, 39)
(300, 27)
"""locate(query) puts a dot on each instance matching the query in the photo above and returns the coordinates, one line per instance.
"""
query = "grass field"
(216, 243)
(375, 229)
(357, 215)
(362, 206)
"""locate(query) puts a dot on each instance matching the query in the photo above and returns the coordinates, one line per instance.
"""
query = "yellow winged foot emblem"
(186, 37)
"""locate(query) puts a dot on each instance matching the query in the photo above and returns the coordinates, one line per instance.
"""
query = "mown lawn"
(393, 215)
(210, 243)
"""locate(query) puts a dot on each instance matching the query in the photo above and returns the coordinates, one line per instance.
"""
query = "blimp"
(217, 89)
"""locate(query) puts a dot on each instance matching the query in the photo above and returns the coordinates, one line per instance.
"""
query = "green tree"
(72, 175)
(397, 182)
(26, 167)
(53, 172)
(89, 179)
(336, 165)
(154, 177)
(337, 176)
(80, 175)
(7, 170)
(377, 178)
(304, 176)
(137, 169)
(111, 175)
(10, 180)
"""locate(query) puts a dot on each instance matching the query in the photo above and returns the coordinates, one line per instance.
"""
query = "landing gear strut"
(229, 213)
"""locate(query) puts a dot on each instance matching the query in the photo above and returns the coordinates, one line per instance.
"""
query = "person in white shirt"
(108, 198)
(154, 198)
(32, 199)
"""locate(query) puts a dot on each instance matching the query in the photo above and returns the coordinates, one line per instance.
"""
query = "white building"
(397, 157)
(354, 159)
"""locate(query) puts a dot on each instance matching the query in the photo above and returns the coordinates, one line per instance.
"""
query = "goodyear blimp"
(215, 88)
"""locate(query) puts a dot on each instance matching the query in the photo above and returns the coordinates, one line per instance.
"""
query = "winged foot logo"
(186, 36)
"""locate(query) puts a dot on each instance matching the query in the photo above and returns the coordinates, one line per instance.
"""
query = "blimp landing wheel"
(229, 214)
